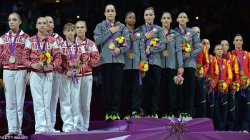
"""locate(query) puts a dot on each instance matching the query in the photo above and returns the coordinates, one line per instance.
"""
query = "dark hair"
(238, 35)
(150, 8)
(129, 12)
(167, 13)
(182, 13)
(217, 45)
(111, 5)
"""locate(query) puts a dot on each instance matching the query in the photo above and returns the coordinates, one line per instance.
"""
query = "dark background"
(218, 19)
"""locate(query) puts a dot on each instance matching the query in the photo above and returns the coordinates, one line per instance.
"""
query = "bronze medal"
(241, 72)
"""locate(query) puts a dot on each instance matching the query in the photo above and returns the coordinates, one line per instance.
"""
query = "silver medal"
(12, 59)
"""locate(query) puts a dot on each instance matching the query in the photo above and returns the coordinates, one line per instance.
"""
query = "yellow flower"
(48, 60)
(224, 85)
(111, 46)
(154, 42)
(120, 40)
(186, 47)
(145, 67)
(201, 70)
(47, 54)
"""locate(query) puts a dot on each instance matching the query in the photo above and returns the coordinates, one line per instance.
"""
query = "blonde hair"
(69, 26)
(82, 22)
(15, 13)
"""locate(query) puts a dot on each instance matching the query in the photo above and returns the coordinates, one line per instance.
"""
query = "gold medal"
(165, 53)
(111, 46)
(131, 55)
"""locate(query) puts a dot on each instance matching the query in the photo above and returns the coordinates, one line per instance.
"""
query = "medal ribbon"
(241, 62)
(41, 50)
(12, 43)
(221, 69)
(70, 52)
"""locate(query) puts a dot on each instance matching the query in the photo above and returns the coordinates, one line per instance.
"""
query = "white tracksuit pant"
(14, 93)
(41, 90)
(54, 97)
(69, 103)
(85, 100)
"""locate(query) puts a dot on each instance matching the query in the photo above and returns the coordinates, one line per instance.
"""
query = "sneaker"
(126, 117)
(245, 131)
(108, 117)
(182, 115)
(115, 116)
(169, 116)
(185, 116)
(11, 134)
(20, 134)
(188, 116)
(40, 132)
(135, 114)
(52, 130)
(154, 116)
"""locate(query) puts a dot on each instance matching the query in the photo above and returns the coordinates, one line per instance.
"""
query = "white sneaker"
(245, 131)
(67, 131)
(40, 132)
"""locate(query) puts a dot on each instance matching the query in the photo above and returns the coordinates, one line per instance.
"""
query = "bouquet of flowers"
(111, 46)
(76, 65)
(178, 79)
(210, 82)
(200, 70)
(244, 81)
(143, 68)
(45, 58)
(222, 85)
(121, 41)
(186, 47)
(155, 42)
(235, 86)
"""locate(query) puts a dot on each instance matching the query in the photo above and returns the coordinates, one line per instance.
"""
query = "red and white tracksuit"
(41, 82)
(91, 57)
(70, 90)
(56, 84)
(13, 78)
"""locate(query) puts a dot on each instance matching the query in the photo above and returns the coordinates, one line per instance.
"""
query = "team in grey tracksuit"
(132, 79)
(172, 59)
(187, 96)
(111, 66)
(151, 82)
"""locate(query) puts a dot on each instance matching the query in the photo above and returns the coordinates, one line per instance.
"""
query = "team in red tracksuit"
(41, 75)
(91, 57)
(242, 98)
(202, 65)
(14, 72)
(222, 75)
